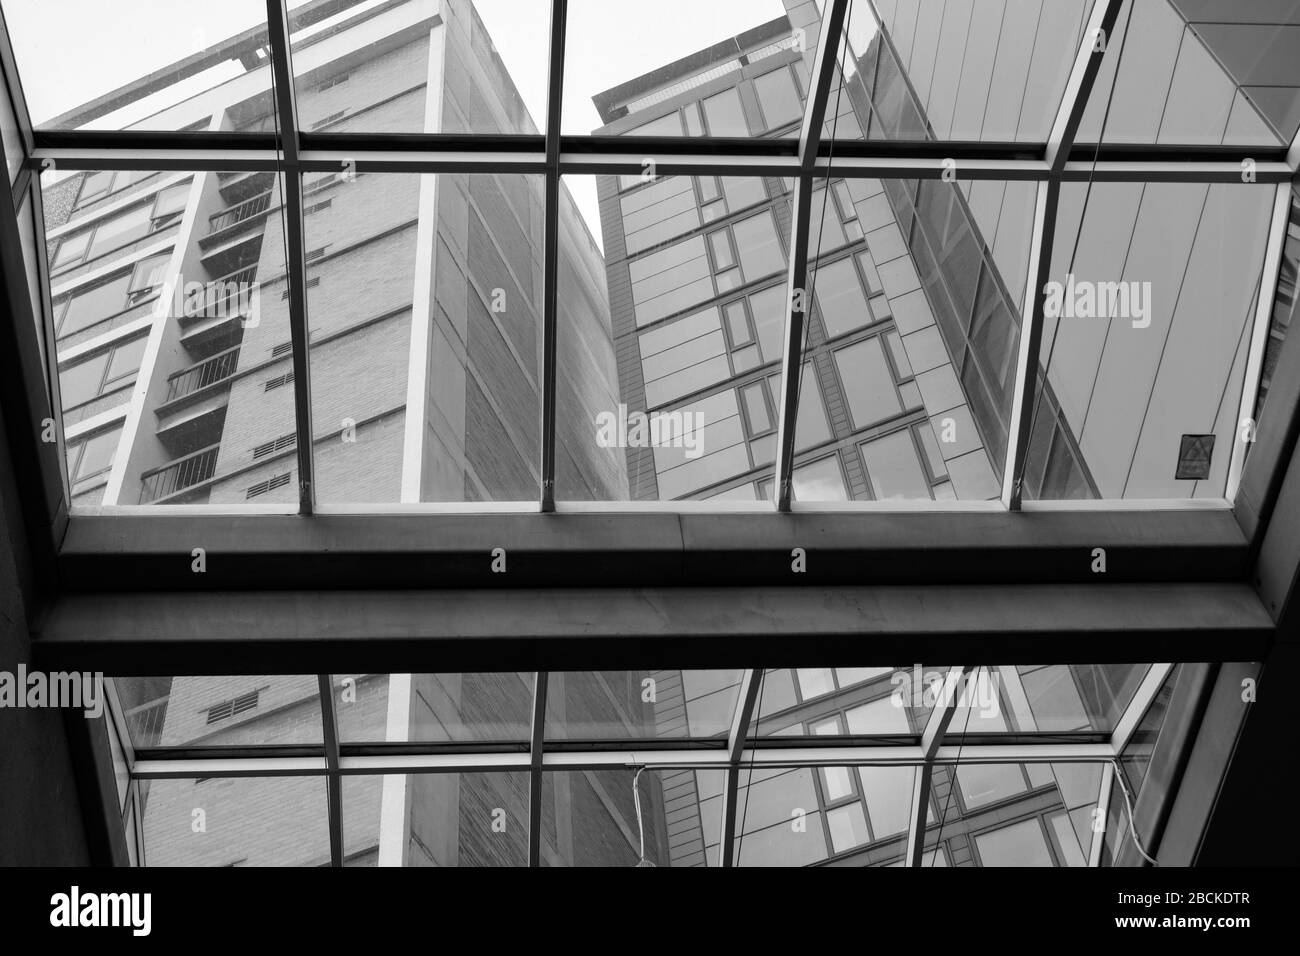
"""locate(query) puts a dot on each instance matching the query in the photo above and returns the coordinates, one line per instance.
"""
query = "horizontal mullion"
(486, 762)
(648, 162)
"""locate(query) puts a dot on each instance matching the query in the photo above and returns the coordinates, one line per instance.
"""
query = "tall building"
(918, 287)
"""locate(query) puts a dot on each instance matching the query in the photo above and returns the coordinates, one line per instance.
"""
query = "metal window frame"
(553, 155)
(741, 748)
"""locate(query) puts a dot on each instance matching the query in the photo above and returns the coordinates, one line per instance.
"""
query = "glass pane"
(685, 56)
(870, 702)
(483, 61)
(1149, 315)
(989, 71)
(1051, 699)
(604, 705)
(169, 66)
(1198, 73)
(687, 419)
(436, 819)
(236, 821)
(1020, 844)
(921, 320)
(590, 818)
(221, 711)
(428, 708)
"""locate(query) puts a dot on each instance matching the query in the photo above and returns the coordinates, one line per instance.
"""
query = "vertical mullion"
(931, 740)
(277, 19)
(740, 721)
(830, 35)
(536, 748)
(333, 780)
(11, 81)
(1264, 305)
(1031, 338)
(1079, 85)
(551, 250)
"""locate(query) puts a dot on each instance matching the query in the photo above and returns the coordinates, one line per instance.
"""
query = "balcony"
(226, 297)
(178, 475)
(211, 371)
(240, 213)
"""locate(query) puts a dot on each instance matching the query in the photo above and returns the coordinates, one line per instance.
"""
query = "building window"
(758, 245)
(723, 114)
(108, 371)
(91, 457)
(1021, 844)
(840, 298)
(91, 305)
(868, 383)
(894, 469)
(779, 98)
(147, 277)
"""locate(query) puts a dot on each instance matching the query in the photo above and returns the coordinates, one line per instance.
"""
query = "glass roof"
(424, 273)
(634, 764)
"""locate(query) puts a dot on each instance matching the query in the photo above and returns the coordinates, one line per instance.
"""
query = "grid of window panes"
(672, 299)
(826, 772)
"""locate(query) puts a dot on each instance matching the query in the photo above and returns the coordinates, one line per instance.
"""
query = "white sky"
(72, 51)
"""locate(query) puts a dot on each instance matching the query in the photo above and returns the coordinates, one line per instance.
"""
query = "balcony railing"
(229, 295)
(208, 372)
(179, 475)
(145, 722)
(237, 214)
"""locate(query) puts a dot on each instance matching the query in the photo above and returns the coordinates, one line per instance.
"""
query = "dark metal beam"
(1025, 399)
(931, 739)
(1276, 431)
(750, 686)
(592, 629)
(277, 18)
(333, 781)
(551, 250)
(536, 751)
(133, 552)
(798, 296)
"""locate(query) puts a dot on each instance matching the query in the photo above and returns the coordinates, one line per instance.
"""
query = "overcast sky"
(72, 51)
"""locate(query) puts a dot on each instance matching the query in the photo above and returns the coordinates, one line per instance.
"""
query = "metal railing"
(145, 722)
(208, 372)
(225, 296)
(178, 475)
(239, 213)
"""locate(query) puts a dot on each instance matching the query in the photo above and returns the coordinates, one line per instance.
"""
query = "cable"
(761, 676)
(640, 823)
(821, 229)
(1128, 803)
(1078, 236)
(952, 784)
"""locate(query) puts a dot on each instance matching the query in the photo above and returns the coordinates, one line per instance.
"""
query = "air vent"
(271, 447)
(318, 207)
(278, 382)
(329, 119)
(284, 348)
(261, 488)
(233, 707)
